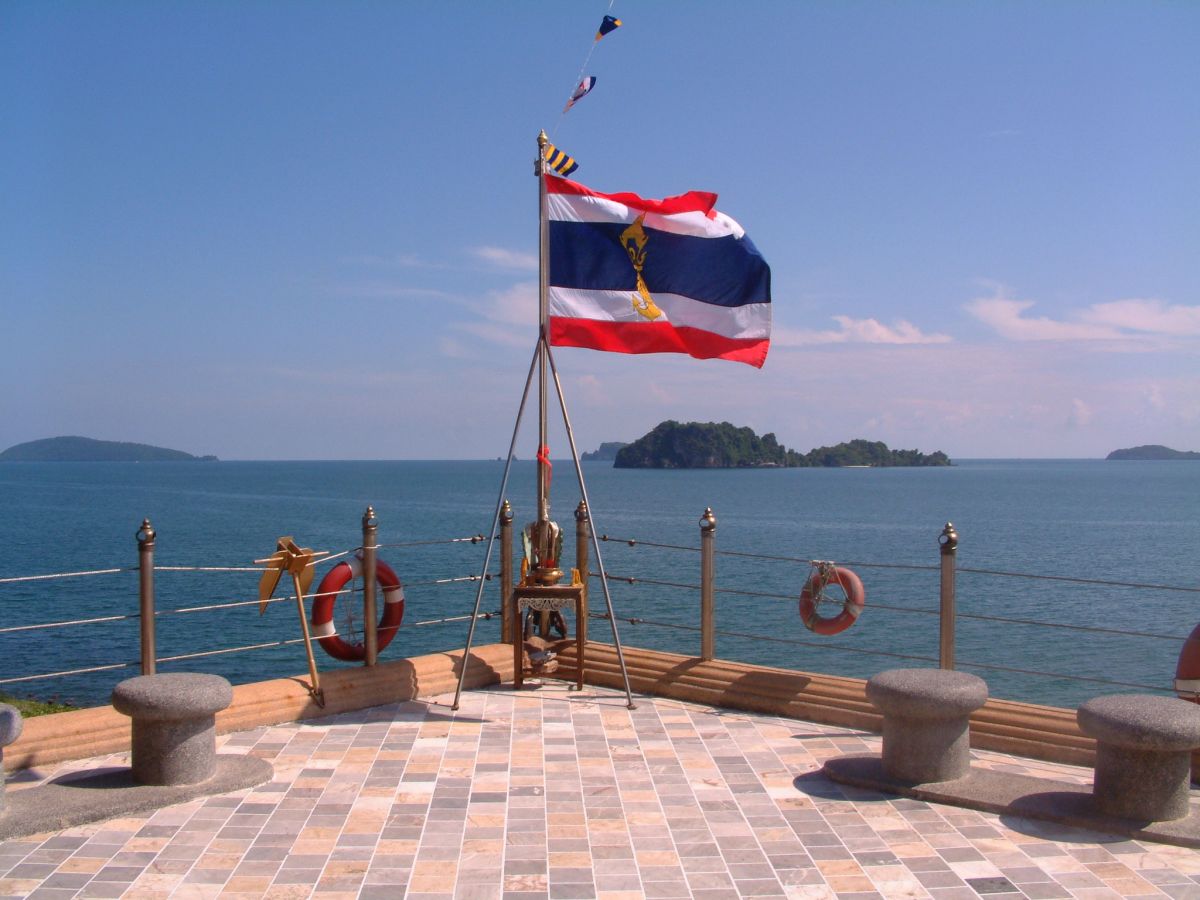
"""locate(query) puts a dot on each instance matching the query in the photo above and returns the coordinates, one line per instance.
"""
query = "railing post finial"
(948, 538)
(146, 534)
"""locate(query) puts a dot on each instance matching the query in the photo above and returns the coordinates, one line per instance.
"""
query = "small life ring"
(1187, 671)
(851, 608)
(323, 602)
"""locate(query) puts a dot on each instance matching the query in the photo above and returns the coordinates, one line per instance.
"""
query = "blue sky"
(273, 230)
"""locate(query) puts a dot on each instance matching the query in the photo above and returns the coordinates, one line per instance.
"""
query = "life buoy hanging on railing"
(324, 601)
(1187, 672)
(824, 575)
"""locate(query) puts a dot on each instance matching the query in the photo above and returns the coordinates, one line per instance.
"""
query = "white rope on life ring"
(337, 578)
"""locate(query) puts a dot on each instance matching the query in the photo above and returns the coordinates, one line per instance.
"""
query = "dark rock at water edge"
(1152, 451)
(82, 449)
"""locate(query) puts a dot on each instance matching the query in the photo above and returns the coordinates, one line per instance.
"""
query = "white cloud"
(1148, 316)
(1155, 397)
(508, 317)
(1081, 414)
(1005, 317)
(517, 305)
(507, 259)
(1123, 320)
(858, 331)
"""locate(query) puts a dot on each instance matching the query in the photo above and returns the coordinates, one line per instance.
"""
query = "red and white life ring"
(1187, 671)
(322, 611)
(851, 608)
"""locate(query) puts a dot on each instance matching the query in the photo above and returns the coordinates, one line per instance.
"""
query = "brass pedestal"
(547, 599)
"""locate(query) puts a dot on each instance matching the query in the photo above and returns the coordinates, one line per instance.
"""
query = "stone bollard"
(174, 725)
(1144, 748)
(926, 714)
(10, 729)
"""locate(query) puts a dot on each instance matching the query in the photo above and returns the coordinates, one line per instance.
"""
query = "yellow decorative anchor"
(298, 562)
(634, 239)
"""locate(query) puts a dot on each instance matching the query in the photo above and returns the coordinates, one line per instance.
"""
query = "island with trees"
(712, 445)
(81, 449)
(1152, 451)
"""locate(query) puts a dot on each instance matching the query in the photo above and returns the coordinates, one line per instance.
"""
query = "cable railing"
(754, 586)
(953, 621)
(150, 611)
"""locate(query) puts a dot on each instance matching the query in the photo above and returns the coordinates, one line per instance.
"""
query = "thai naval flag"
(631, 275)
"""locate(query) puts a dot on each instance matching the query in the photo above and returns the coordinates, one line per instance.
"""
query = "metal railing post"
(583, 536)
(708, 534)
(948, 540)
(370, 536)
(506, 573)
(145, 541)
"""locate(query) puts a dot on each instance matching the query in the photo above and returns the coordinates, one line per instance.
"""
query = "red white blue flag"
(631, 275)
(582, 88)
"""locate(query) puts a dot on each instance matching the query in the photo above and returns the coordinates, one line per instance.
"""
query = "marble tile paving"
(555, 794)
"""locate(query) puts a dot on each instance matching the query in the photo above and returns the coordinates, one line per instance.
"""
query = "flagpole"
(543, 511)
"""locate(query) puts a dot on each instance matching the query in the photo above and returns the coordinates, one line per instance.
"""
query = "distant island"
(82, 449)
(1152, 451)
(709, 445)
(606, 453)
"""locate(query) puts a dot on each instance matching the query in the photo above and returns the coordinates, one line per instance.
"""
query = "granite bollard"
(926, 715)
(1144, 747)
(10, 729)
(174, 725)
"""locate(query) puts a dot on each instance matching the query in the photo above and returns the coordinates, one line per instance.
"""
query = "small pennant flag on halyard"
(583, 87)
(609, 24)
(559, 161)
(631, 275)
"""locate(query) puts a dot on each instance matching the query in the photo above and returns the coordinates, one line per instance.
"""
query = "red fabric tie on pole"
(543, 458)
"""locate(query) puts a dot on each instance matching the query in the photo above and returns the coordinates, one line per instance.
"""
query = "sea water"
(1101, 525)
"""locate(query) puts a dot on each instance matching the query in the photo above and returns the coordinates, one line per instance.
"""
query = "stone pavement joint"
(550, 793)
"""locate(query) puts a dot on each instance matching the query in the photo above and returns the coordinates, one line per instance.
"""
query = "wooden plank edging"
(82, 733)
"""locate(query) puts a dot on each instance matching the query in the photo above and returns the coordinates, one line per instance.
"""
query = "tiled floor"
(549, 793)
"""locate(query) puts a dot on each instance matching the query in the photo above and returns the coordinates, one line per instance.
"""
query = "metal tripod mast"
(544, 362)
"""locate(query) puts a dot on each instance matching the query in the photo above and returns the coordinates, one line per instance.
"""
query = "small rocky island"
(1152, 451)
(607, 452)
(711, 445)
(82, 449)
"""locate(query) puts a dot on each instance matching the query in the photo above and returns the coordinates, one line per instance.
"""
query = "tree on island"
(1152, 451)
(711, 445)
(82, 449)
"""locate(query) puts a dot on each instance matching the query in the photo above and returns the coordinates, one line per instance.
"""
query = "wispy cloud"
(1112, 321)
(858, 331)
(1080, 415)
(507, 259)
(1147, 316)
(1005, 317)
(508, 317)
